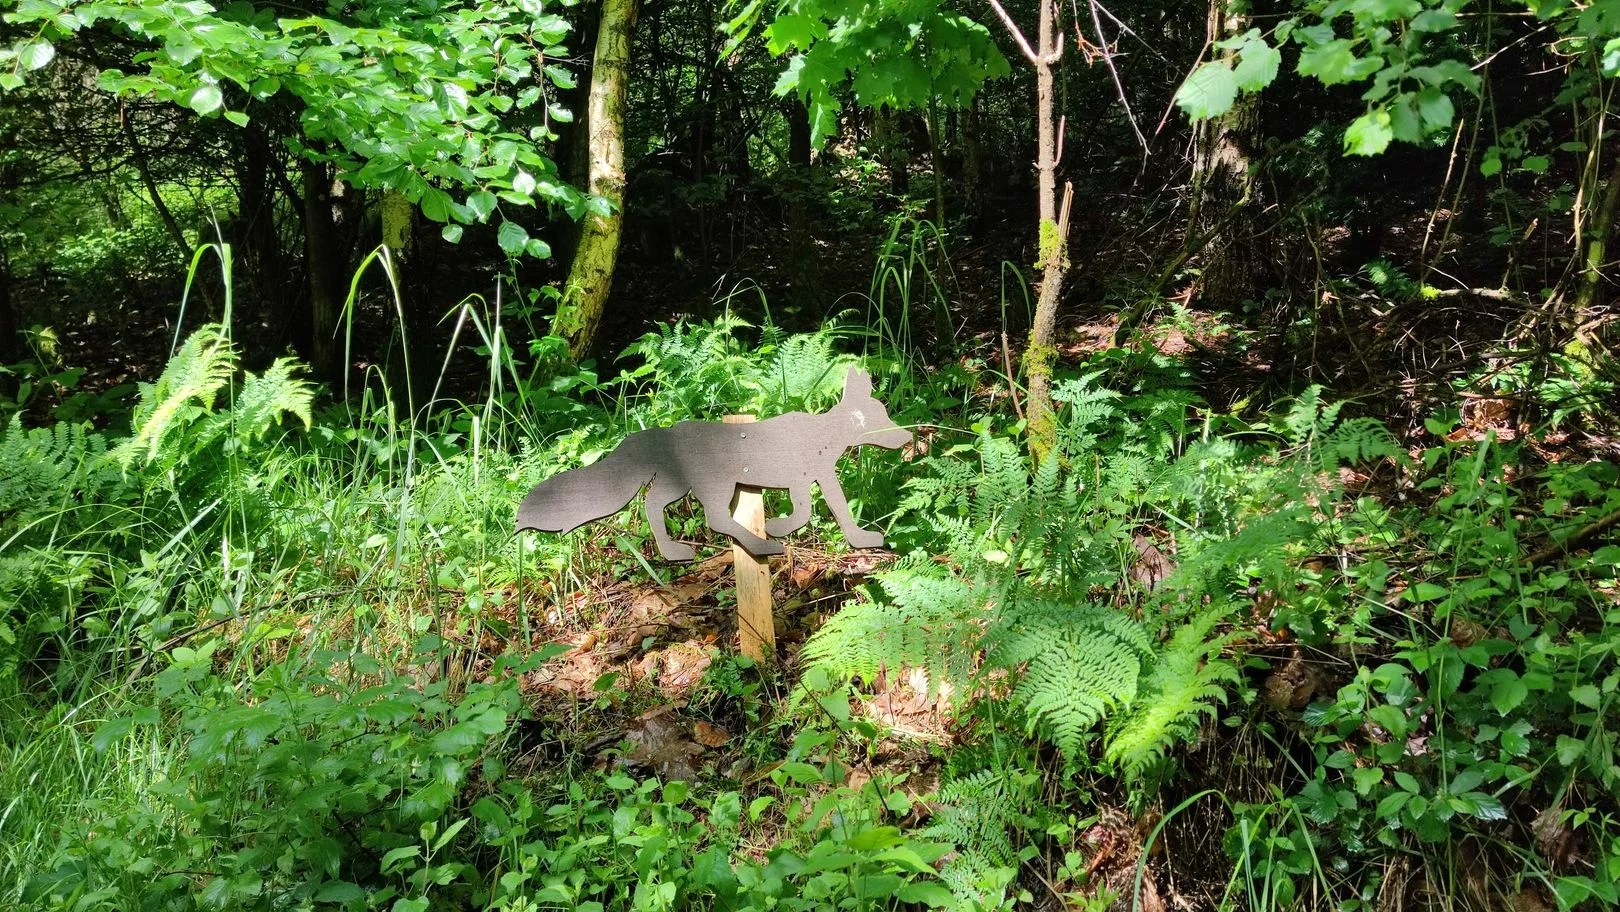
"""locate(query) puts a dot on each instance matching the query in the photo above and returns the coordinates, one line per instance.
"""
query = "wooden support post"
(756, 628)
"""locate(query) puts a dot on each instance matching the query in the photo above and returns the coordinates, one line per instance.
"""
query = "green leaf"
(927, 893)
(482, 203)
(1366, 777)
(1508, 693)
(206, 99)
(1208, 92)
(1587, 695)
(1391, 718)
(237, 117)
(512, 237)
(1392, 804)
(436, 204)
(537, 248)
(1257, 65)
(451, 233)
(560, 76)
(1536, 164)
(1436, 108)
(1405, 124)
(36, 54)
(1486, 806)
(1490, 165)
(793, 30)
(339, 891)
(1569, 750)
(1330, 62)
(1434, 20)
(1424, 591)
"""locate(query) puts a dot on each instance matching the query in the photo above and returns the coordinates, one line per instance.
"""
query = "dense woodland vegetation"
(1256, 548)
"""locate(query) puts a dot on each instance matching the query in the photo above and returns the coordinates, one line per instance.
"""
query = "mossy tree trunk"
(1053, 224)
(1587, 317)
(590, 276)
(1225, 211)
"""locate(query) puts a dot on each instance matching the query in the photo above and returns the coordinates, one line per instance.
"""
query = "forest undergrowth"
(264, 648)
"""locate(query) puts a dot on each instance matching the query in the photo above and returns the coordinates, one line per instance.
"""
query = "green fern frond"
(265, 397)
(1076, 663)
(978, 814)
(921, 624)
(1187, 681)
(43, 467)
(1354, 441)
(186, 389)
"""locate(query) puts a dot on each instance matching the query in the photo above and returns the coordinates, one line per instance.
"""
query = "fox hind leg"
(793, 522)
(659, 496)
(716, 502)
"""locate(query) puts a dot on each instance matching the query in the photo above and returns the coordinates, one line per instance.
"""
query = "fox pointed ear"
(858, 384)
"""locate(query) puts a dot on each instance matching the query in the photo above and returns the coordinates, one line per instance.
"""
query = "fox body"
(710, 461)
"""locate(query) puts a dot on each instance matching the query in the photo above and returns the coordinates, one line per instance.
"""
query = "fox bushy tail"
(563, 503)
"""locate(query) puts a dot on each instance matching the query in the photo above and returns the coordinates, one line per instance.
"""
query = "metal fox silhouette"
(711, 460)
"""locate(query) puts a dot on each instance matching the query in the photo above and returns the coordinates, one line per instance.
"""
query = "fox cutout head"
(868, 418)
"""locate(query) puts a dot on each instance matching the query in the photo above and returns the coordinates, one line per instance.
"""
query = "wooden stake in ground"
(756, 628)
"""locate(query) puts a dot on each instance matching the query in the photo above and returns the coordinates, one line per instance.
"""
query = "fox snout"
(892, 437)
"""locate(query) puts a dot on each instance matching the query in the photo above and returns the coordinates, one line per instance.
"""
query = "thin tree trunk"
(137, 156)
(805, 264)
(798, 117)
(324, 262)
(1588, 295)
(1053, 225)
(972, 163)
(935, 162)
(266, 270)
(590, 276)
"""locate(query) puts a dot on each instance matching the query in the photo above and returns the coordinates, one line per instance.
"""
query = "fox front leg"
(786, 525)
(833, 493)
(659, 497)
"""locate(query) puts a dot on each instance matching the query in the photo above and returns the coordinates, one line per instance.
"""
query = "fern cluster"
(46, 468)
(1035, 590)
(979, 814)
(706, 369)
(177, 416)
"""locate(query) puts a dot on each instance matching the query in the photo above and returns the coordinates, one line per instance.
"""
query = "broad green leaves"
(1348, 42)
(887, 53)
(1369, 134)
(206, 100)
(1209, 92)
(1213, 88)
(424, 100)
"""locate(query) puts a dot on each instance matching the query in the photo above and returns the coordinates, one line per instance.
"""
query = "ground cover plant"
(1257, 545)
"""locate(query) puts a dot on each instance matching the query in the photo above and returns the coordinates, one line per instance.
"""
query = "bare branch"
(1119, 84)
(1017, 33)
